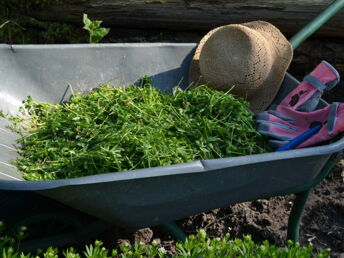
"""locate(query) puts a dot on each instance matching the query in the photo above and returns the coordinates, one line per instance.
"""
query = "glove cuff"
(324, 77)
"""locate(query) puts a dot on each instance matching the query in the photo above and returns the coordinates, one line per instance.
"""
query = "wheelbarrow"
(143, 197)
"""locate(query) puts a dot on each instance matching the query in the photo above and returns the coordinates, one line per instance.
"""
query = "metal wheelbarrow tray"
(144, 197)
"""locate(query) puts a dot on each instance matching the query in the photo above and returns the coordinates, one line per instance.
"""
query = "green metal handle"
(316, 23)
(174, 230)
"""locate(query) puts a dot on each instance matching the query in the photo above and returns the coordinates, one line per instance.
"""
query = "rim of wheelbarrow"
(94, 45)
(200, 166)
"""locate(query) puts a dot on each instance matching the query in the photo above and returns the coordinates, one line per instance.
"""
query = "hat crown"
(250, 59)
(236, 57)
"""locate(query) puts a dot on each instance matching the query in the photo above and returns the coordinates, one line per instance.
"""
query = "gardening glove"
(305, 97)
(291, 123)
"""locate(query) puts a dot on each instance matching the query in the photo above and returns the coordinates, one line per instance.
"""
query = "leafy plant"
(96, 33)
(199, 245)
(26, 30)
(119, 129)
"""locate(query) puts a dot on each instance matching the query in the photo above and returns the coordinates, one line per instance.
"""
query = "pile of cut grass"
(120, 129)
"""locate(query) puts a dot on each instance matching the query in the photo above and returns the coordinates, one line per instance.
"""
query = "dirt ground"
(323, 220)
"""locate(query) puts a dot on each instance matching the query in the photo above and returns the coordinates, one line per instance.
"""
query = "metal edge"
(89, 46)
(202, 166)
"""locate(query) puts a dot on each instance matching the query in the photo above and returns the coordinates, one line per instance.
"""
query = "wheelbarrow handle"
(316, 23)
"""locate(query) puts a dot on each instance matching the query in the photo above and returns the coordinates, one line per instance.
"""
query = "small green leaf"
(96, 33)
(87, 22)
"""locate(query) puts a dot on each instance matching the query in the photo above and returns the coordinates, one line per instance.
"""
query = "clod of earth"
(119, 129)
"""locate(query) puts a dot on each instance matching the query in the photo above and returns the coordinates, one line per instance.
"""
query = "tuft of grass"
(2, 114)
(119, 129)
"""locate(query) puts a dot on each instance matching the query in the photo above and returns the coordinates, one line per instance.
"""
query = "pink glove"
(289, 119)
(293, 123)
(331, 128)
(305, 97)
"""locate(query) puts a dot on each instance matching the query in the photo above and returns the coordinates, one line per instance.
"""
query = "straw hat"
(249, 58)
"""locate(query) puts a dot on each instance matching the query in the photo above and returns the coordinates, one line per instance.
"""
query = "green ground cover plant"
(119, 129)
(199, 245)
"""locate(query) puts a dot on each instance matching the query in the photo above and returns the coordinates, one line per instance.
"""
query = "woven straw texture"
(249, 59)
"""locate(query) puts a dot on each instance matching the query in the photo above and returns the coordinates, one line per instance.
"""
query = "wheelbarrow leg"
(301, 199)
(174, 230)
(296, 215)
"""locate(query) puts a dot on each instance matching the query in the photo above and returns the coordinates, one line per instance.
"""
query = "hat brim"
(283, 53)
(263, 98)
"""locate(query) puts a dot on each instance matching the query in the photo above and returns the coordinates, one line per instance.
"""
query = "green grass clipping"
(119, 129)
